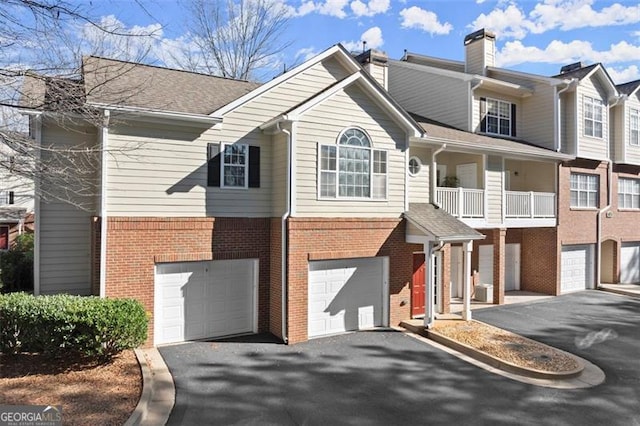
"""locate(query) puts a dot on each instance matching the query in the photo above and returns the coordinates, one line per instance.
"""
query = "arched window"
(352, 169)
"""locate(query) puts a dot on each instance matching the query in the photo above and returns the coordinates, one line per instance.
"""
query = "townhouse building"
(558, 220)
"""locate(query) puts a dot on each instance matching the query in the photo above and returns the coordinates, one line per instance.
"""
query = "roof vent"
(571, 67)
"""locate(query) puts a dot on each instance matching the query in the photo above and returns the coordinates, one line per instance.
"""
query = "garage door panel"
(196, 300)
(630, 263)
(345, 295)
(576, 267)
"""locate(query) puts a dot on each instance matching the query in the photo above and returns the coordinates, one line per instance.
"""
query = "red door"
(417, 288)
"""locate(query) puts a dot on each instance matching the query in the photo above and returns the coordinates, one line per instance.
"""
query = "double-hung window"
(352, 169)
(234, 166)
(634, 127)
(628, 193)
(497, 117)
(584, 190)
(593, 111)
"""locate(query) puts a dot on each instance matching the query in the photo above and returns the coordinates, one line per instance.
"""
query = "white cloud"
(328, 7)
(559, 52)
(622, 75)
(373, 37)
(373, 7)
(510, 20)
(425, 20)
(305, 54)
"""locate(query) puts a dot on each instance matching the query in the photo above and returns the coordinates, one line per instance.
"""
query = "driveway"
(387, 377)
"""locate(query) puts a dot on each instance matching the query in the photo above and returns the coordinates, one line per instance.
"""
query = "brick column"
(498, 237)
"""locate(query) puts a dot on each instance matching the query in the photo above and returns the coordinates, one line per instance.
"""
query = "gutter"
(558, 107)
(37, 121)
(104, 142)
(470, 112)
(160, 115)
(599, 223)
(433, 184)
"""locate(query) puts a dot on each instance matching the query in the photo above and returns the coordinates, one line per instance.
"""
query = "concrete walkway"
(510, 297)
(632, 290)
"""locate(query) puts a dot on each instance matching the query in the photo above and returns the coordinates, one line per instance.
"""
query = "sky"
(532, 36)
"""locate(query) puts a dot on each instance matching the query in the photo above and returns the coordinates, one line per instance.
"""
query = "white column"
(429, 315)
(467, 248)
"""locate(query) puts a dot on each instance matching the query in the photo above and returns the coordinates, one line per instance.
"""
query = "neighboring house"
(227, 207)
(16, 200)
(553, 205)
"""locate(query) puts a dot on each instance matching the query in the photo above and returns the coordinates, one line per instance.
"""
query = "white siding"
(419, 184)
(589, 147)
(536, 117)
(617, 135)
(65, 231)
(531, 175)
(481, 93)
(569, 123)
(167, 175)
(23, 188)
(440, 98)
(279, 175)
(322, 125)
(493, 188)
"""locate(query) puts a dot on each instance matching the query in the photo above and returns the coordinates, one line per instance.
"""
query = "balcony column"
(429, 308)
(467, 248)
(498, 237)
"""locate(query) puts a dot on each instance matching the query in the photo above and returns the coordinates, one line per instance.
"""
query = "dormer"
(480, 51)
(625, 124)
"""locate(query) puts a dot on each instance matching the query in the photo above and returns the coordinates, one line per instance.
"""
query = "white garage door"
(485, 264)
(577, 268)
(349, 294)
(198, 300)
(630, 263)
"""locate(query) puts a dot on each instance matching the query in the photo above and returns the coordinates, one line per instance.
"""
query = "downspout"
(104, 141)
(433, 184)
(37, 122)
(284, 239)
(558, 105)
(470, 112)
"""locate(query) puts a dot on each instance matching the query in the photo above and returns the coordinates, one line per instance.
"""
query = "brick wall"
(539, 261)
(320, 239)
(275, 284)
(135, 244)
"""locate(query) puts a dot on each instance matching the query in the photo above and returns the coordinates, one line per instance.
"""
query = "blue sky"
(533, 36)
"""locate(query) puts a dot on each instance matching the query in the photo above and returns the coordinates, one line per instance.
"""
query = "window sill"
(628, 209)
(346, 199)
(589, 209)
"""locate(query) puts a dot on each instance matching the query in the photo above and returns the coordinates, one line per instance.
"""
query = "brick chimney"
(375, 62)
(480, 51)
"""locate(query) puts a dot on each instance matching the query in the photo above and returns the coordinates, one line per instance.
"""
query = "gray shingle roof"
(437, 222)
(628, 88)
(129, 84)
(579, 73)
(468, 140)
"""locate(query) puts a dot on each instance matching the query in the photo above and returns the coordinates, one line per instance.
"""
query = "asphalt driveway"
(389, 378)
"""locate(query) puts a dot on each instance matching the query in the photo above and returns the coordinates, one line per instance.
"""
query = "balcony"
(530, 205)
(462, 203)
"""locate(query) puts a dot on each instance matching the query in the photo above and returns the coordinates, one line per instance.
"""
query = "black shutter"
(483, 115)
(11, 197)
(213, 164)
(513, 120)
(254, 167)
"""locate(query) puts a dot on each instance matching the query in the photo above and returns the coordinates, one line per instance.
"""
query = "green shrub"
(61, 324)
(16, 266)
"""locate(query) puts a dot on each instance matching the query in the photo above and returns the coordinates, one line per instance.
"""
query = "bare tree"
(235, 38)
(42, 43)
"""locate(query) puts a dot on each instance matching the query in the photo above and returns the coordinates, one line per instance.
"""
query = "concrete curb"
(589, 374)
(619, 292)
(158, 390)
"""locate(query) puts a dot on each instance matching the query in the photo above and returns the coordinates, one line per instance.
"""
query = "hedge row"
(54, 325)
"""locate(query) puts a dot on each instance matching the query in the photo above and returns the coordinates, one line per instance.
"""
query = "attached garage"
(630, 263)
(347, 294)
(199, 300)
(577, 268)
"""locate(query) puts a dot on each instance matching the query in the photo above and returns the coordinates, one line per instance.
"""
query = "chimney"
(480, 51)
(571, 67)
(375, 62)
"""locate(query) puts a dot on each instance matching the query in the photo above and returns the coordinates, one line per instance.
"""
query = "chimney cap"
(478, 35)
(571, 67)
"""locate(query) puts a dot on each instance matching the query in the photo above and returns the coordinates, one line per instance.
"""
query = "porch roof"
(12, 214)
(434, 221)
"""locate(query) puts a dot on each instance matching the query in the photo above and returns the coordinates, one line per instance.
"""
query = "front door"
(417, 287)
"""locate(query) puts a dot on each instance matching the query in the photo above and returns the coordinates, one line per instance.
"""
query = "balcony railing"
(533, 205)
(461, 202)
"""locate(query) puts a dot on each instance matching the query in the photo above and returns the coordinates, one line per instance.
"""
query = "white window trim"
(622, 194)
(246, 166)
(337, 145)
(596, 191)
(499, 101)
(636, 113)
(594, 102)
(413, 157)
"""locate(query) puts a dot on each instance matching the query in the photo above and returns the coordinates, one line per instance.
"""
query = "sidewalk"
(632, 290)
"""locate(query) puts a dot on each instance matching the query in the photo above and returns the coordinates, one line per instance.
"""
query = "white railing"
(461, 202)
(520, 204)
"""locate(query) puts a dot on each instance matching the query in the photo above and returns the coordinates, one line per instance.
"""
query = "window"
(497, 117)
(584, 190)
(237, 166)
(592, 117)
(634, 127)
(628, 193)
(351, 169)
(414, 166)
